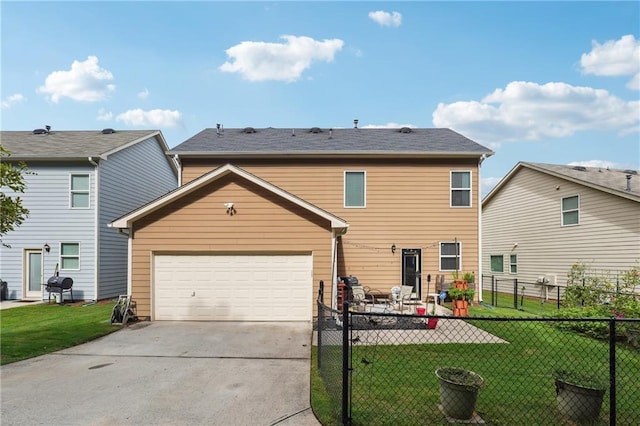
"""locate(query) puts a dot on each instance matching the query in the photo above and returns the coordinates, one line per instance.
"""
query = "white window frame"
(512, 264)
(79, 191)
(440, 255)
(364, 195)
(62, 243)
(491, 256)
(563, 211)
(451, 189)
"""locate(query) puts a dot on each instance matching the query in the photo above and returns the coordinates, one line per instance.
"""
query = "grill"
(58, 284)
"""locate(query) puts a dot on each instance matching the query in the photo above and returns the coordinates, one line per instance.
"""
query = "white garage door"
(233, 288)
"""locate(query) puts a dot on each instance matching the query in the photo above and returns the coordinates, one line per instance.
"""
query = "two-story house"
(263, 215)
(542, 218)
(79, 181)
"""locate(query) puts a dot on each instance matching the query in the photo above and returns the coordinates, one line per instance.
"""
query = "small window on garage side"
(355, 189)
(497, 263)
(79, 191)
(513, 263)
(70, 256)
(450, 256)
(461, 189)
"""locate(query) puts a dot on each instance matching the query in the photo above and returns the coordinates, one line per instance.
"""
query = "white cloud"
(530, 111)
(386, 19)
(596, 163)
(153, 118)
(104, 115)
(487, 184)
(11, 100)
(614, 58)
(85, 82)
(143, 94)
(390, 125)
(260, 61)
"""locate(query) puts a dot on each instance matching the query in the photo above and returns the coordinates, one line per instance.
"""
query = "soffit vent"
(107, 131)
(248, 130)
(580, 168)
(406, 130)
(315, 130)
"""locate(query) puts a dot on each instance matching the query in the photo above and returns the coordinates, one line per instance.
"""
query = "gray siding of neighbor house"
(527, 211)
(52, 221)
(127, 179)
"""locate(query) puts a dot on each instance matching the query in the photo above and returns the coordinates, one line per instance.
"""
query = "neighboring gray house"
(542, 218)
(81, 181)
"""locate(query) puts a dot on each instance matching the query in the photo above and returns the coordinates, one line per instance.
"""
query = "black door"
(411, 269)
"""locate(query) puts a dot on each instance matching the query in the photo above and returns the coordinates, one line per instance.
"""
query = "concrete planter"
(458, 392)
(579, 397)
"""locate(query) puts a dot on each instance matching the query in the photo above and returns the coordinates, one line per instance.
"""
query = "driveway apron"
(168, 373)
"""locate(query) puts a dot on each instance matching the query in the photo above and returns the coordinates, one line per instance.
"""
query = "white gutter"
(176, 160)
(96, 240)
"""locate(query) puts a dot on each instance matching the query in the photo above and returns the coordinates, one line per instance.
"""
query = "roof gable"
(127, 220)
(317, 142)
(612, 181)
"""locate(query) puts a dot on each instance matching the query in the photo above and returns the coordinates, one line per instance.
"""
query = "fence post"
(346, 416)
(494, 289)
(320, 304)
(558, 297)
(612, 371)
(515, 293)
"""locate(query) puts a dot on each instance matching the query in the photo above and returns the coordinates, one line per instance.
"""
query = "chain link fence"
(380, 369)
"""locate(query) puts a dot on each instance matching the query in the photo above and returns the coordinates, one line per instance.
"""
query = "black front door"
(411, 269)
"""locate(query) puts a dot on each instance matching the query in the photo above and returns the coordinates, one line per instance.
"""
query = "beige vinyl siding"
(527, 211)
(199, 223)
(408, 204)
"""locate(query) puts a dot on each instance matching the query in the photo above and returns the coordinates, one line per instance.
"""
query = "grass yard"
(30, 331)
(397, 385)
(527, 306)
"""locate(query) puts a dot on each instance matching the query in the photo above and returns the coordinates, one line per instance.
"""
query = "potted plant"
(458, 391)
(432, 321)
(579, 395)
(461, 299)
(469, 277)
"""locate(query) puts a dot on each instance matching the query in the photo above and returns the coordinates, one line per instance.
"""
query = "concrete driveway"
(168, 373)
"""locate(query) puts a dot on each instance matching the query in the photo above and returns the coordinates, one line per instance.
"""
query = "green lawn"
(29, 331)
(396, 384)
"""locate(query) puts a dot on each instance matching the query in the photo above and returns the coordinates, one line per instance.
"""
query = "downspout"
(96, 231)
(479, 274)
(178, 164)
(334, 268)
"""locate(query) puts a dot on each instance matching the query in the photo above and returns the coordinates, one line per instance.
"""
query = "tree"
(12, 212)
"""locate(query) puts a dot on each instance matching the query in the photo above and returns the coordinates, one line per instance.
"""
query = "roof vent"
(39, 132)
(248, 130)
(580, 168)
(405, 130)
(315, 130)
(630, 172)
(107, 131)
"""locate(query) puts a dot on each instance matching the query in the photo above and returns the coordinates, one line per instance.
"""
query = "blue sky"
(552, 82)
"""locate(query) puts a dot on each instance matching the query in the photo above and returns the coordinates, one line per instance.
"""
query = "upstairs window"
(450, 256)
(79, 191)
(70, 256)
(497, 263)
(461, 189)
(355, 189)
(570, 211)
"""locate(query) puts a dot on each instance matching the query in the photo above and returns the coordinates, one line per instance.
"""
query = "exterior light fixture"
(47, 247)
(393, 248)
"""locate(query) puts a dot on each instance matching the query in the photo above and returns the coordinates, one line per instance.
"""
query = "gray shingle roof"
(613, 181)
(64, 145)
(326, 142)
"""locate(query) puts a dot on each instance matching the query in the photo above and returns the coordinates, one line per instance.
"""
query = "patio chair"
(359, 298)
(406, 298)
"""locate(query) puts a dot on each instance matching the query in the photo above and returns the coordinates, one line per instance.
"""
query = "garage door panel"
(233, 288)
